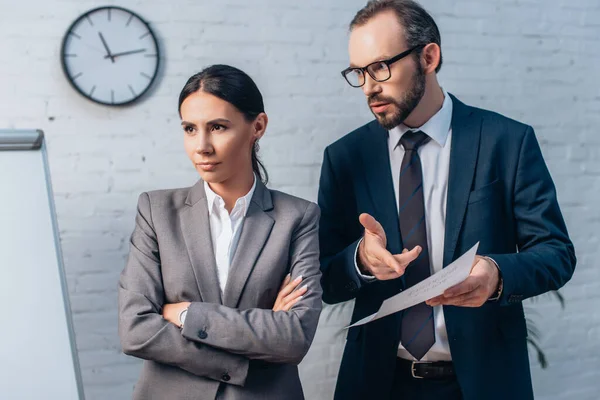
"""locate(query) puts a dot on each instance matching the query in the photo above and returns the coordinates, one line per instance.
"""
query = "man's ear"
(430, 57)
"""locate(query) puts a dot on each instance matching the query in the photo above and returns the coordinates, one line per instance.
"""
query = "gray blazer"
(232, 346)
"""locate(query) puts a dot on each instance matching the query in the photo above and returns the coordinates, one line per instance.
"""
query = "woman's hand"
(287, 296)
(171, 312)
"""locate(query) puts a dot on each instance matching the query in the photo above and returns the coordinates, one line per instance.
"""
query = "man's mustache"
(380, 99)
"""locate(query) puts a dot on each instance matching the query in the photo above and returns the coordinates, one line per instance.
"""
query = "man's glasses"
(378, 70)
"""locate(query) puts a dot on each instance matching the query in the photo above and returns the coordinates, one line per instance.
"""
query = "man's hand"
(474, 291)
(287, 296)
(171, 312)
(374, 257)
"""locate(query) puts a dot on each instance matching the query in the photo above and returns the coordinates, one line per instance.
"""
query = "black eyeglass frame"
(387, 62)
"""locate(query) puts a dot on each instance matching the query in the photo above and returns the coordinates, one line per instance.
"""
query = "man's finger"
(436, 300)
(371, 225)
(470, 299)
(468, 285)
(381, 270)
(388, 259)
(408, 256)
(386, 274)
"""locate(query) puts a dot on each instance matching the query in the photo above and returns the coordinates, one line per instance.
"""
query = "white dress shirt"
(225, 228)
(435, 161)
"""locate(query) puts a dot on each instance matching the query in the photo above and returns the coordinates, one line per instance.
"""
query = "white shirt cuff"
(367, 278)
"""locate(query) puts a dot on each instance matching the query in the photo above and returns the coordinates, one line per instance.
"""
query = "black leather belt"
(426, 370)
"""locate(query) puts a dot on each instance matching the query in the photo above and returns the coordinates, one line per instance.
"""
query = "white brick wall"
(534, 60)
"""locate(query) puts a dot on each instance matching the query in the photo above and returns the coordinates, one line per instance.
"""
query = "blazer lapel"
(255, 233)
(466, 134)
(195, 225)
(378, 174)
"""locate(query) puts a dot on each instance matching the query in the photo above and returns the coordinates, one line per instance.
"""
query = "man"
(405, 195)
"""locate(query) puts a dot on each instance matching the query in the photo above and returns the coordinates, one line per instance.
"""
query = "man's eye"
(378, 67)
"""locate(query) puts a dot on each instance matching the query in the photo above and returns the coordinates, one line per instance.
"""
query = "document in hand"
(427, 289)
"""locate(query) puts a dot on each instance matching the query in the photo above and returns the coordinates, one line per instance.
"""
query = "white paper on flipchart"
(427, 289)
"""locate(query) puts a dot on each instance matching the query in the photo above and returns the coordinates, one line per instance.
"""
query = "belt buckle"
(413, 371)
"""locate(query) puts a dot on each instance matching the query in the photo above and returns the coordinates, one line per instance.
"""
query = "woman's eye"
(188, 129)
(218, 127)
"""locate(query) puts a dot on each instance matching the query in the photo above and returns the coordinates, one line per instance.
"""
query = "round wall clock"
(110, 55)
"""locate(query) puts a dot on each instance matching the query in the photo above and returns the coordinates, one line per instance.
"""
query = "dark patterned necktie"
(417, 333)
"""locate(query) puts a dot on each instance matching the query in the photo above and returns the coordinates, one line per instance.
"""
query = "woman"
(201, 297)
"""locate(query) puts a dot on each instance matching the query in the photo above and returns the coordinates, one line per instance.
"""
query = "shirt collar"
(244, 202)
(437, 128)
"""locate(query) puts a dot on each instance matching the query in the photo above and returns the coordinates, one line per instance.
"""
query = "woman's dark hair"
(235, 87)
(419, 26)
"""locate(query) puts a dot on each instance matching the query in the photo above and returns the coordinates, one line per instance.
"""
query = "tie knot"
(412, 140)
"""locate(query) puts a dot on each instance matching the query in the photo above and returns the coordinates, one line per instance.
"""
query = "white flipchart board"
(38, 358)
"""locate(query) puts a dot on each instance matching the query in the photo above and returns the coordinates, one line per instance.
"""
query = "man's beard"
(403, 108)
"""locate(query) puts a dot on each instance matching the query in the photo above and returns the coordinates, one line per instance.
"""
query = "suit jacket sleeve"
(143, 331)
(546, 257)
(339, 239)
(280, 337)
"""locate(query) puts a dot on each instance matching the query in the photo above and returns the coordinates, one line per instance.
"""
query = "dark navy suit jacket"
(500, 194)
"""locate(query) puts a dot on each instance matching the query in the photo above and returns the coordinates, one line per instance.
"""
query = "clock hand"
(125, 53)
(108, 55)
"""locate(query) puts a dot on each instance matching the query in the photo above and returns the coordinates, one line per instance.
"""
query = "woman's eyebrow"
(218, 121)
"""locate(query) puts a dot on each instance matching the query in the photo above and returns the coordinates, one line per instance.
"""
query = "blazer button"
(226, 377)
(202, 334)
(351, 286)
(514, 298)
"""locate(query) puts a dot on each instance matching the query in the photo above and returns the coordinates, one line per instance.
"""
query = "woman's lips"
(208, 167)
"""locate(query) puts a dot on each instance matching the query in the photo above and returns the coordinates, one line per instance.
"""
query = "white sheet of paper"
(427, 289)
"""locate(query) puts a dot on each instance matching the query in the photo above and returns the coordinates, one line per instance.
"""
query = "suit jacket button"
(351, 286)
(514, 298)
(202, 334)
(226, 377)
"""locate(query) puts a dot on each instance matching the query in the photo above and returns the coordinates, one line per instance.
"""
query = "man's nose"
(371, 86)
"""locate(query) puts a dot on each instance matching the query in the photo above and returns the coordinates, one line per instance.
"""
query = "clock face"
(110, 55)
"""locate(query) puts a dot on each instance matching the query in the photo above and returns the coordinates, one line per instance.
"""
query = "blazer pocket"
(485, 191)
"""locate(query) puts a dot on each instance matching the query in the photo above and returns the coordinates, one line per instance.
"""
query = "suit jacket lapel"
(376, 164)
(195, 225)
(466, 134)
(378, 173)
(255, 233)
